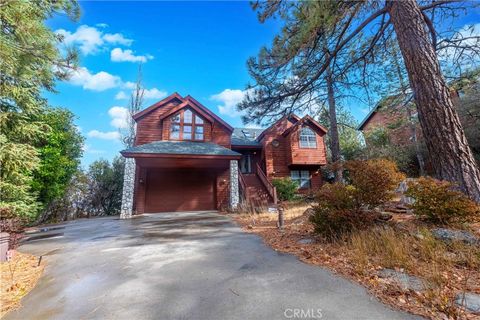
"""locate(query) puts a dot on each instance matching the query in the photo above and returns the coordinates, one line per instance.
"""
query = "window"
(175, 131)
(187, 116)
(308, 138)
(198, 133)
(186, 125)
(187, 132)
(302, 177)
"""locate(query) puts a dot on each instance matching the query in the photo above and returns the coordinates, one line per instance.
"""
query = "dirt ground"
(17, 277)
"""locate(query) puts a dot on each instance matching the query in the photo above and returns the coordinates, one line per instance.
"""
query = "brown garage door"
(179, 190)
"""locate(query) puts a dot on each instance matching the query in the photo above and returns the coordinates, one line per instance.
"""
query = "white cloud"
(90, 40)
(121, 95)
(109, 135)
(154, 93)
(468, 36)
(119, 117)
(229, 98)
(129, 85)
(119, 55)
(102, 25)
(97, 82)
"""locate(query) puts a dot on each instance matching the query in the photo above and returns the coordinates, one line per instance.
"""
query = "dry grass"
(402, 244)
(17, 277)
(292, 211)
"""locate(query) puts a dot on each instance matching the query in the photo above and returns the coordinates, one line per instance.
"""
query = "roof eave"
(177, 156)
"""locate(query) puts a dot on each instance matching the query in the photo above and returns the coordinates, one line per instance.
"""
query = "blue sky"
(196, 48)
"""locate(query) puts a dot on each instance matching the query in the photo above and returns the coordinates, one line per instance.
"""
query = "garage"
(179, 189)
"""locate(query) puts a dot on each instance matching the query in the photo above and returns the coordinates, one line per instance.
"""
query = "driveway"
(182, 266)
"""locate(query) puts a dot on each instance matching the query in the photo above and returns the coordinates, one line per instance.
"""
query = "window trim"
(300, 178)
(181, 123)
(309, 139)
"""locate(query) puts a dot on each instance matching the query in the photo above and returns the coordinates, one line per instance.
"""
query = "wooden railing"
(242, 184)
(272, 191)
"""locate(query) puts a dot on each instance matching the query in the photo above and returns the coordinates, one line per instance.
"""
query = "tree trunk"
(444, 136)
(333, 130)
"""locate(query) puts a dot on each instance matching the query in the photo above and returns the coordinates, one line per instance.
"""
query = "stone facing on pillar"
(234, 194)
(128, 186)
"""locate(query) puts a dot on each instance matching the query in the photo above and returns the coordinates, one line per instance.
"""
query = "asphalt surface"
(181, 266)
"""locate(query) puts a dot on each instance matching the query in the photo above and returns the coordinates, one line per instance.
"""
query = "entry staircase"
(255, 190)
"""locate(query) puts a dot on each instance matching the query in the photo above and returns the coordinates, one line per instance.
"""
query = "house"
(185, 157)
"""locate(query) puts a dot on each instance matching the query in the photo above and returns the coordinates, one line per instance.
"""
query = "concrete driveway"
(182, 266)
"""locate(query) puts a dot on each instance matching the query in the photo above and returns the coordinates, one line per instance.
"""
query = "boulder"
(405, 281)
(469, 301)
(306, 241)
(449, 235)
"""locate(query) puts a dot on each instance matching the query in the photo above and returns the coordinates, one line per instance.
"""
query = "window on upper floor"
(187, 125)
(308, 138)
(301, 177)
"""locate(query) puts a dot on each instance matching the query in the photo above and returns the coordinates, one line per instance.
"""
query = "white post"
(128, 186)
(234, 196)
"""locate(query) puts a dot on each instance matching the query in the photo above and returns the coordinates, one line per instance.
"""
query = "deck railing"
(272, 191)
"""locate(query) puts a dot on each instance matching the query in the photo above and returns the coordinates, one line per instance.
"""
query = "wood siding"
(278, 161)
(301, 156)
(150, 128)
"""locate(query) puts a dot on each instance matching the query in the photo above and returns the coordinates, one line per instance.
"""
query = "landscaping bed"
(399, 261)
(17, 277)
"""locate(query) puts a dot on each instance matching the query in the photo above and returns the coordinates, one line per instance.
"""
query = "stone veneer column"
(234, 196)
(128, 186)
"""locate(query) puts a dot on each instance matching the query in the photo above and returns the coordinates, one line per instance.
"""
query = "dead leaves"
(434, 304)
(17, 277)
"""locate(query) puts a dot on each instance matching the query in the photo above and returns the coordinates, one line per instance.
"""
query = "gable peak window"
(308, 138)
(187, 125)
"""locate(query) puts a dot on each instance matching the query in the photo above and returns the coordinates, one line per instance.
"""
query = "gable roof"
(185, 104)
(158, 104)
(303, 120)
(289, 117)
(190, 101)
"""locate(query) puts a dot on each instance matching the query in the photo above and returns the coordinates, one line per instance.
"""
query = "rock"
(306, 241)
(449, 235)
(469, 301)
(384, 216)
(405, 281)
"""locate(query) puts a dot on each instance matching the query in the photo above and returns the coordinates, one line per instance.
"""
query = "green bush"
(437, 201)
(286, 188)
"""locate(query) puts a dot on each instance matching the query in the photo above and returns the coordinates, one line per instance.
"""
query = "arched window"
(186, 125)
(308, 138)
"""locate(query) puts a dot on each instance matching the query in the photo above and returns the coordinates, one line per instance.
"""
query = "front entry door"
(246, 163)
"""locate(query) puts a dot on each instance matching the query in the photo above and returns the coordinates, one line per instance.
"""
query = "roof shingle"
(182, 148)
